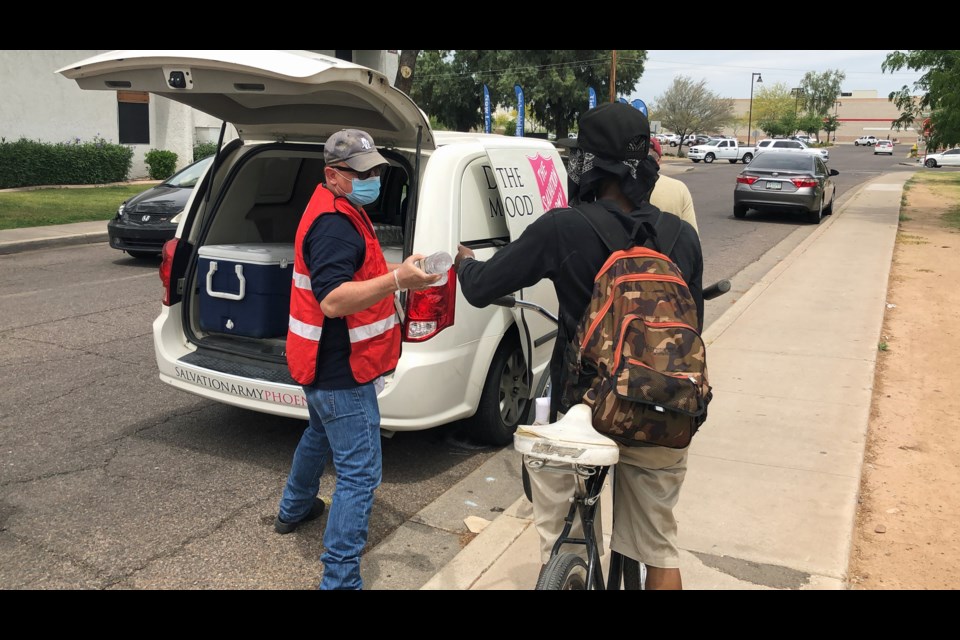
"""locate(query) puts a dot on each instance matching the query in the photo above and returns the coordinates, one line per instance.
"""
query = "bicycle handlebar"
(716, 290)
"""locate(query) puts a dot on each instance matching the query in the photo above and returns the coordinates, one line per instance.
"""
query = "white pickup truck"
(725, 149)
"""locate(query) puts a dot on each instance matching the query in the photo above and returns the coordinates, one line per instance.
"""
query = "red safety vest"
(374, 332)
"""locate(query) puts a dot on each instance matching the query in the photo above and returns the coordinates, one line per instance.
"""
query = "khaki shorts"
(647, 487)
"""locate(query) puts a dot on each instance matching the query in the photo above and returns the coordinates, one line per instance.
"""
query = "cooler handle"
(220, 294)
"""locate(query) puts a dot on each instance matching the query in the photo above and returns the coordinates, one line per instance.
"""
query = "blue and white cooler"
(245, 289)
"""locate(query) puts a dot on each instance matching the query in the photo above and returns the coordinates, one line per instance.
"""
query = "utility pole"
(613, 77)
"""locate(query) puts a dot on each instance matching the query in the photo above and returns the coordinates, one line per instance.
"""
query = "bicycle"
(572, 446)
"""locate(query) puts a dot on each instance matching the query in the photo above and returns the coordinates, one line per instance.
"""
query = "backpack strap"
(662, 235)
(611, 232)
(668, 228)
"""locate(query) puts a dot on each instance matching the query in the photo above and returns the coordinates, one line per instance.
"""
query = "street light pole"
(796, 103)
(750, 119)
(836, 123)
(613, 76)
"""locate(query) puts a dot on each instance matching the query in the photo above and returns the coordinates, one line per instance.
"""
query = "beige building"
(860, 113)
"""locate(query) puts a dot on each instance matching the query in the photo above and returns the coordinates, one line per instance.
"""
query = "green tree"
(820, 91)
(939, 99)
(689, 107)
(773, 107)
(811, 124)
(443, 88)
(449, 84)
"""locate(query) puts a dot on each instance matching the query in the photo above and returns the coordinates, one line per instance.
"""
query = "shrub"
(161, 164)
(204, 149)
(29, 163)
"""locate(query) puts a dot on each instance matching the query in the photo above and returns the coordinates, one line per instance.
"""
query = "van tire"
(505, 399)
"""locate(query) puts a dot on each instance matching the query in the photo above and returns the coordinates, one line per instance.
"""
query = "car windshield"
(782, 161)
(187, 178)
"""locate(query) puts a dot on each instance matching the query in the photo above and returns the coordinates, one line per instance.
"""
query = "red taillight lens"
(746, 179)
(166, 268)
(431, 310)
(804, 182)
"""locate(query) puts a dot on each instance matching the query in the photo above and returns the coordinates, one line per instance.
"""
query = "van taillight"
(430, 310)
(166, 269)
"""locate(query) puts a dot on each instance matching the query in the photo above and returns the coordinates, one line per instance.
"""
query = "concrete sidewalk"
(770, 497)
(59, 235)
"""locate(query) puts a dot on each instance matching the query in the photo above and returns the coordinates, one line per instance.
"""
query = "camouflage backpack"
(637, 358)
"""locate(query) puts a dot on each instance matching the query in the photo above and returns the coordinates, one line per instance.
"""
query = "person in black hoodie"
(609, 164)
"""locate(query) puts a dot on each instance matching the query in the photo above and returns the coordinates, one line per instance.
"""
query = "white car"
(883, 146)
(948, 158)
(221, 332)
(785, 144)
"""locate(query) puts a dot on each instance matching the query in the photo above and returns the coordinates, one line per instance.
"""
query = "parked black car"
(146, 221)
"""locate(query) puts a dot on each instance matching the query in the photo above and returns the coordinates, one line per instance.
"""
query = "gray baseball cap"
(353, 148)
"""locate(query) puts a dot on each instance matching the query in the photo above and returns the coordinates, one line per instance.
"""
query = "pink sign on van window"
(552, 193)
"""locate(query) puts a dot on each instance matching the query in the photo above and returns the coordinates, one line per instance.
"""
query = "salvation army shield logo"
(552, 192)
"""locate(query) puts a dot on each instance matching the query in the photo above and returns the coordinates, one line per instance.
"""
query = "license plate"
(774, 185)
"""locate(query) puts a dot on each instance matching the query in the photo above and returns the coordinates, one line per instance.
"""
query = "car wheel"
(143, 255)
(930, 163)
(709, 158)
(815, 216)
(747, 158)
(505, 398)
(740, 211)
(856, 144)
(828, 210)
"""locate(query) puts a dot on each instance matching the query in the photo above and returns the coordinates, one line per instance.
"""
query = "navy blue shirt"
(334, 251)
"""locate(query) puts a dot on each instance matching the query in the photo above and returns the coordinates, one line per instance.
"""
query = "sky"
(728, 72)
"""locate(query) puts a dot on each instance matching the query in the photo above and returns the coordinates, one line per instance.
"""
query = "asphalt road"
(111, 479)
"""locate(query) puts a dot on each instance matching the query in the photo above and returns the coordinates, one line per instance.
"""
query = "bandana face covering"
(586, 171)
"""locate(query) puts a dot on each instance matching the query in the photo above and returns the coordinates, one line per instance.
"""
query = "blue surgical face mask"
(365, 191)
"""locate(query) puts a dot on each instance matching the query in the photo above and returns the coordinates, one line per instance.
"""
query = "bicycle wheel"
(564, 572)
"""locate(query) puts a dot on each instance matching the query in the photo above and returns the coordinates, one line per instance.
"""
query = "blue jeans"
(345, 422)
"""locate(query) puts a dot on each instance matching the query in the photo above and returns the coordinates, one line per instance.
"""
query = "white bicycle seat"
(571, 440)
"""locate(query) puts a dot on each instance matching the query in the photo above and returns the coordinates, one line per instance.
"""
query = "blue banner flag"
(486, 109)
(640, 106)
(519, 91)
(624, 101)
(592, 100)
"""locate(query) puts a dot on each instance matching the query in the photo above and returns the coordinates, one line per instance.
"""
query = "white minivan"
(440, 190)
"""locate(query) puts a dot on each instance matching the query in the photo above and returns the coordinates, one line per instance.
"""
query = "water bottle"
(439, 262)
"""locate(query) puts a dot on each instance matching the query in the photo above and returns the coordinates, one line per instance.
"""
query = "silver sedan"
(786, 181)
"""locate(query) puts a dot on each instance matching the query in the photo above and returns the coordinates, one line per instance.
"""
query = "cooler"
(245, 289)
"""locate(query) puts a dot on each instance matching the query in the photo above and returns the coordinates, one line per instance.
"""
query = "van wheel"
(505, 398)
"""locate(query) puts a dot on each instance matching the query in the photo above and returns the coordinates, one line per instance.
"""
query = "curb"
(16, 246)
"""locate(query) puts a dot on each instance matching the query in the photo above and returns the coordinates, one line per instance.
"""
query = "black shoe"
(316, 511)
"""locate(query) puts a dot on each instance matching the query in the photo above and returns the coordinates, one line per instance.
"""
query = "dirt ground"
(907, 534)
